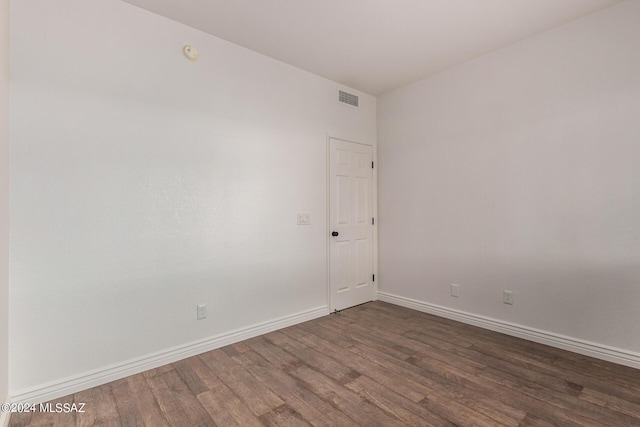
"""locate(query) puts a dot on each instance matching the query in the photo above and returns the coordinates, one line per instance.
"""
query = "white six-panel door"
(351, 227)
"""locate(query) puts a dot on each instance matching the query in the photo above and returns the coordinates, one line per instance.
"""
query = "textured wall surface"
(519, 171)
(144, 184)
(4, 199)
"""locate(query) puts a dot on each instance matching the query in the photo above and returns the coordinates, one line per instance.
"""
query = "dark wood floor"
(372, 365)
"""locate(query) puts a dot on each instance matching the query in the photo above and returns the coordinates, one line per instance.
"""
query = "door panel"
(363, 213)
(351, 211)
(342, 267)
(342, 200)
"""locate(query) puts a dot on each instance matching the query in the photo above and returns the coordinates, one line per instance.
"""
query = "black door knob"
(334, 233)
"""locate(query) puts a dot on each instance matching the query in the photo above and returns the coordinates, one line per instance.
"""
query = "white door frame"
(330, 302)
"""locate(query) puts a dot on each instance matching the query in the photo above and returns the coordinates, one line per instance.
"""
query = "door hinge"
(371, 165)
(374, 277)
(373, 221)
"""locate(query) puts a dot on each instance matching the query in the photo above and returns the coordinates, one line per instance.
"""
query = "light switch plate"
(304, 218)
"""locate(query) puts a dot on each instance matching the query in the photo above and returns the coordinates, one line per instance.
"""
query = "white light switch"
(304, 218)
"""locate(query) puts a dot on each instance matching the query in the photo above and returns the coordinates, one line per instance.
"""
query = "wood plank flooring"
(373, 365)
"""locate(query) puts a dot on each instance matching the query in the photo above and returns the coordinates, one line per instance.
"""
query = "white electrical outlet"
(507, 297)
(202, 311)
(455, 290)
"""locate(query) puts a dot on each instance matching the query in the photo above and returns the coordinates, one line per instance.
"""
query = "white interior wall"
(143, 184)
(519, 170)
(4, 201)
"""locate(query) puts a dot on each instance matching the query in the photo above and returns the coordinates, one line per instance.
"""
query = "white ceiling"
(373, 45)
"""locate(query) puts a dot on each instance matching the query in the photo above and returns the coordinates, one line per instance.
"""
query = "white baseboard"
(67, 386)
(587, 348)
(4, 418)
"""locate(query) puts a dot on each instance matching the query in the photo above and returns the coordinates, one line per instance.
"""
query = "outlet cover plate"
(455, 290)
(507, 297)
(202, 311)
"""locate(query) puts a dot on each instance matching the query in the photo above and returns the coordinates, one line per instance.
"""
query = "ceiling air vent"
(348, 98)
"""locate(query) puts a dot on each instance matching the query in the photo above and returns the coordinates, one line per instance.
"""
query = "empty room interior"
(356, 212)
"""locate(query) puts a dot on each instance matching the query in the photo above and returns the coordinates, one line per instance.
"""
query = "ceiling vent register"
(348, 98)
